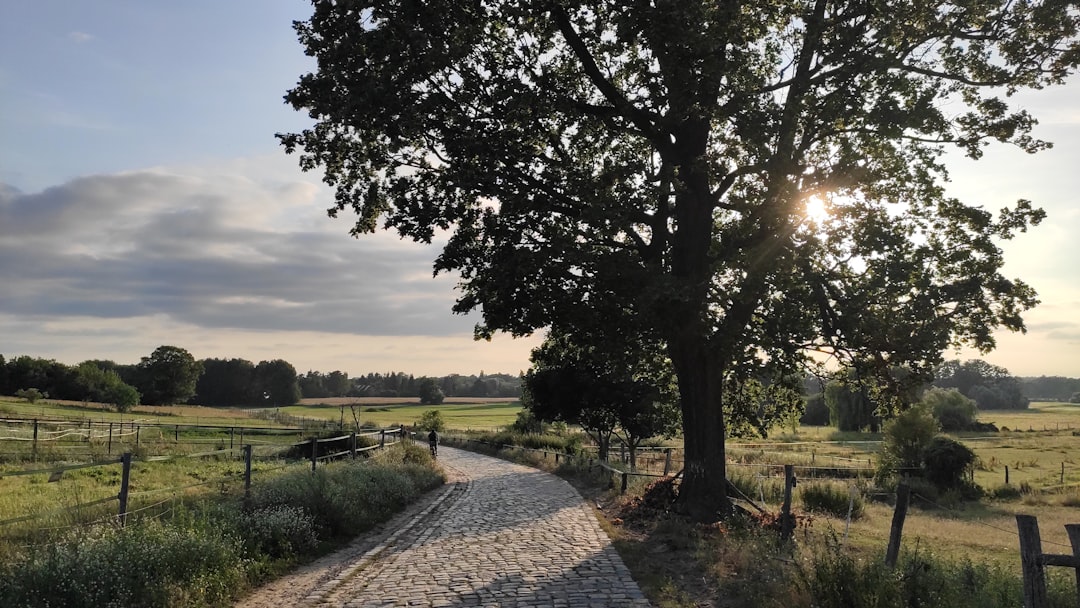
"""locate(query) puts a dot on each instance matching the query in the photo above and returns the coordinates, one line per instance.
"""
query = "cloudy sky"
(145, 201)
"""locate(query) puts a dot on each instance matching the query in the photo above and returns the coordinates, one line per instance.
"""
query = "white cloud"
(80, 37)
(214, 248)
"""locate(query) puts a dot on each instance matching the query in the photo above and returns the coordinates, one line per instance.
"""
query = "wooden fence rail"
(1034, 561)
(127, 459)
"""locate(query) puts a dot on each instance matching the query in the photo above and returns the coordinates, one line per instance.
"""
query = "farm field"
(459, 413)
(1034, 458)
(97, 412)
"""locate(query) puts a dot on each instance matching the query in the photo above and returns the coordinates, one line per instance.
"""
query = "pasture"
(459, 413)
(13, 407)
(985, 529)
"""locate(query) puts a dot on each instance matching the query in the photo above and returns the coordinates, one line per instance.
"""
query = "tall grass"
(204, 554)
(834, 578)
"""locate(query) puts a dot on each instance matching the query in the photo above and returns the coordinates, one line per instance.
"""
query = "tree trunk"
(603, 445)
(703, 493)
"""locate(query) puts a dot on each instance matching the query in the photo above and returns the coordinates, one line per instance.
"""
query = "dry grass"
(366, 401)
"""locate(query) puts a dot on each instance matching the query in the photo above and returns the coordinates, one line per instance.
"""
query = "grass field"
(164, 414)
(459, 413)
(1034, 457)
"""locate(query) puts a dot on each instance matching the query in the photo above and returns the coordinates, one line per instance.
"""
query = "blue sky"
(145, 201)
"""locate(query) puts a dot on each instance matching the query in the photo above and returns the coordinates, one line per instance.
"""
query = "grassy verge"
(204, 554)
(741, 563)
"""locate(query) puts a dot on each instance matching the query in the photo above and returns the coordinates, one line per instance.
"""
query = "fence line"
(127, 459)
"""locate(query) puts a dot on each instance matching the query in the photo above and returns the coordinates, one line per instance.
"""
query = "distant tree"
(904, 439)
(527, 422)
(98, 381)
(431, 420)
(992, 387)
(947, 463)
(30, 394)
(46, 375)
(616, 387)
(5, 388)
(227, 382)
(561, 387)
(850, 406)
(953, 411)
(430, 393)
(816, 412)
(1075, 397)
(647, 411)
(276, 383)
(120, 395)
(337, 383)
(168, 376)
(1049, 388)
(312, 385)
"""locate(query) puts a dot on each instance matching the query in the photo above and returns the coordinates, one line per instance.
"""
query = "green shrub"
(905, 438)
(30, 394)
(345, 498)
(431, 420)
(1005, 492)
(816, 412)
(150, 564)
(833, 499)
(947, 463)
(951, 408)
(279, 531)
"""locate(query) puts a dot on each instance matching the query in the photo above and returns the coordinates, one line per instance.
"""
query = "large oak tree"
(664, 158)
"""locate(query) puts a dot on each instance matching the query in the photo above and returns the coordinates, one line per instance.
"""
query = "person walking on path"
(433, 442)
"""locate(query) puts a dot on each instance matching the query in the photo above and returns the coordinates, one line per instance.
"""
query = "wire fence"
(313, 450)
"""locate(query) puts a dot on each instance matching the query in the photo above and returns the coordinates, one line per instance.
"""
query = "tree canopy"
(662, 162)
(168, 376)
(991, 386)
(620, 386)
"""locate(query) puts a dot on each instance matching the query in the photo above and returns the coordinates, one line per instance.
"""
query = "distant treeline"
(1050, 388)
(170, 376)
(399, 384)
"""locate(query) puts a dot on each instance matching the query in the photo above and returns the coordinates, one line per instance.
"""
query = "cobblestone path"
(499, 535)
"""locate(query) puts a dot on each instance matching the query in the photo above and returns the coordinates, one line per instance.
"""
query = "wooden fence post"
(622, 490)
(176, 434)
(1006, 474)
(109, 451)
(787, 520)
(903, 497)
(667, 461)
(1074, 539)
(1031, 562)
(247, 472)
(382, 439)
(232, 432)
(352, 444)
(314, 449)
(125, 478)
(137, 429)
(34, 447)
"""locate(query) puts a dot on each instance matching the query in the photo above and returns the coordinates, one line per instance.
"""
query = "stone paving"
(503, 535)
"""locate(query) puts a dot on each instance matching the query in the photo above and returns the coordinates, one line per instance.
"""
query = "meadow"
(460, 413)
(1038, 485)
